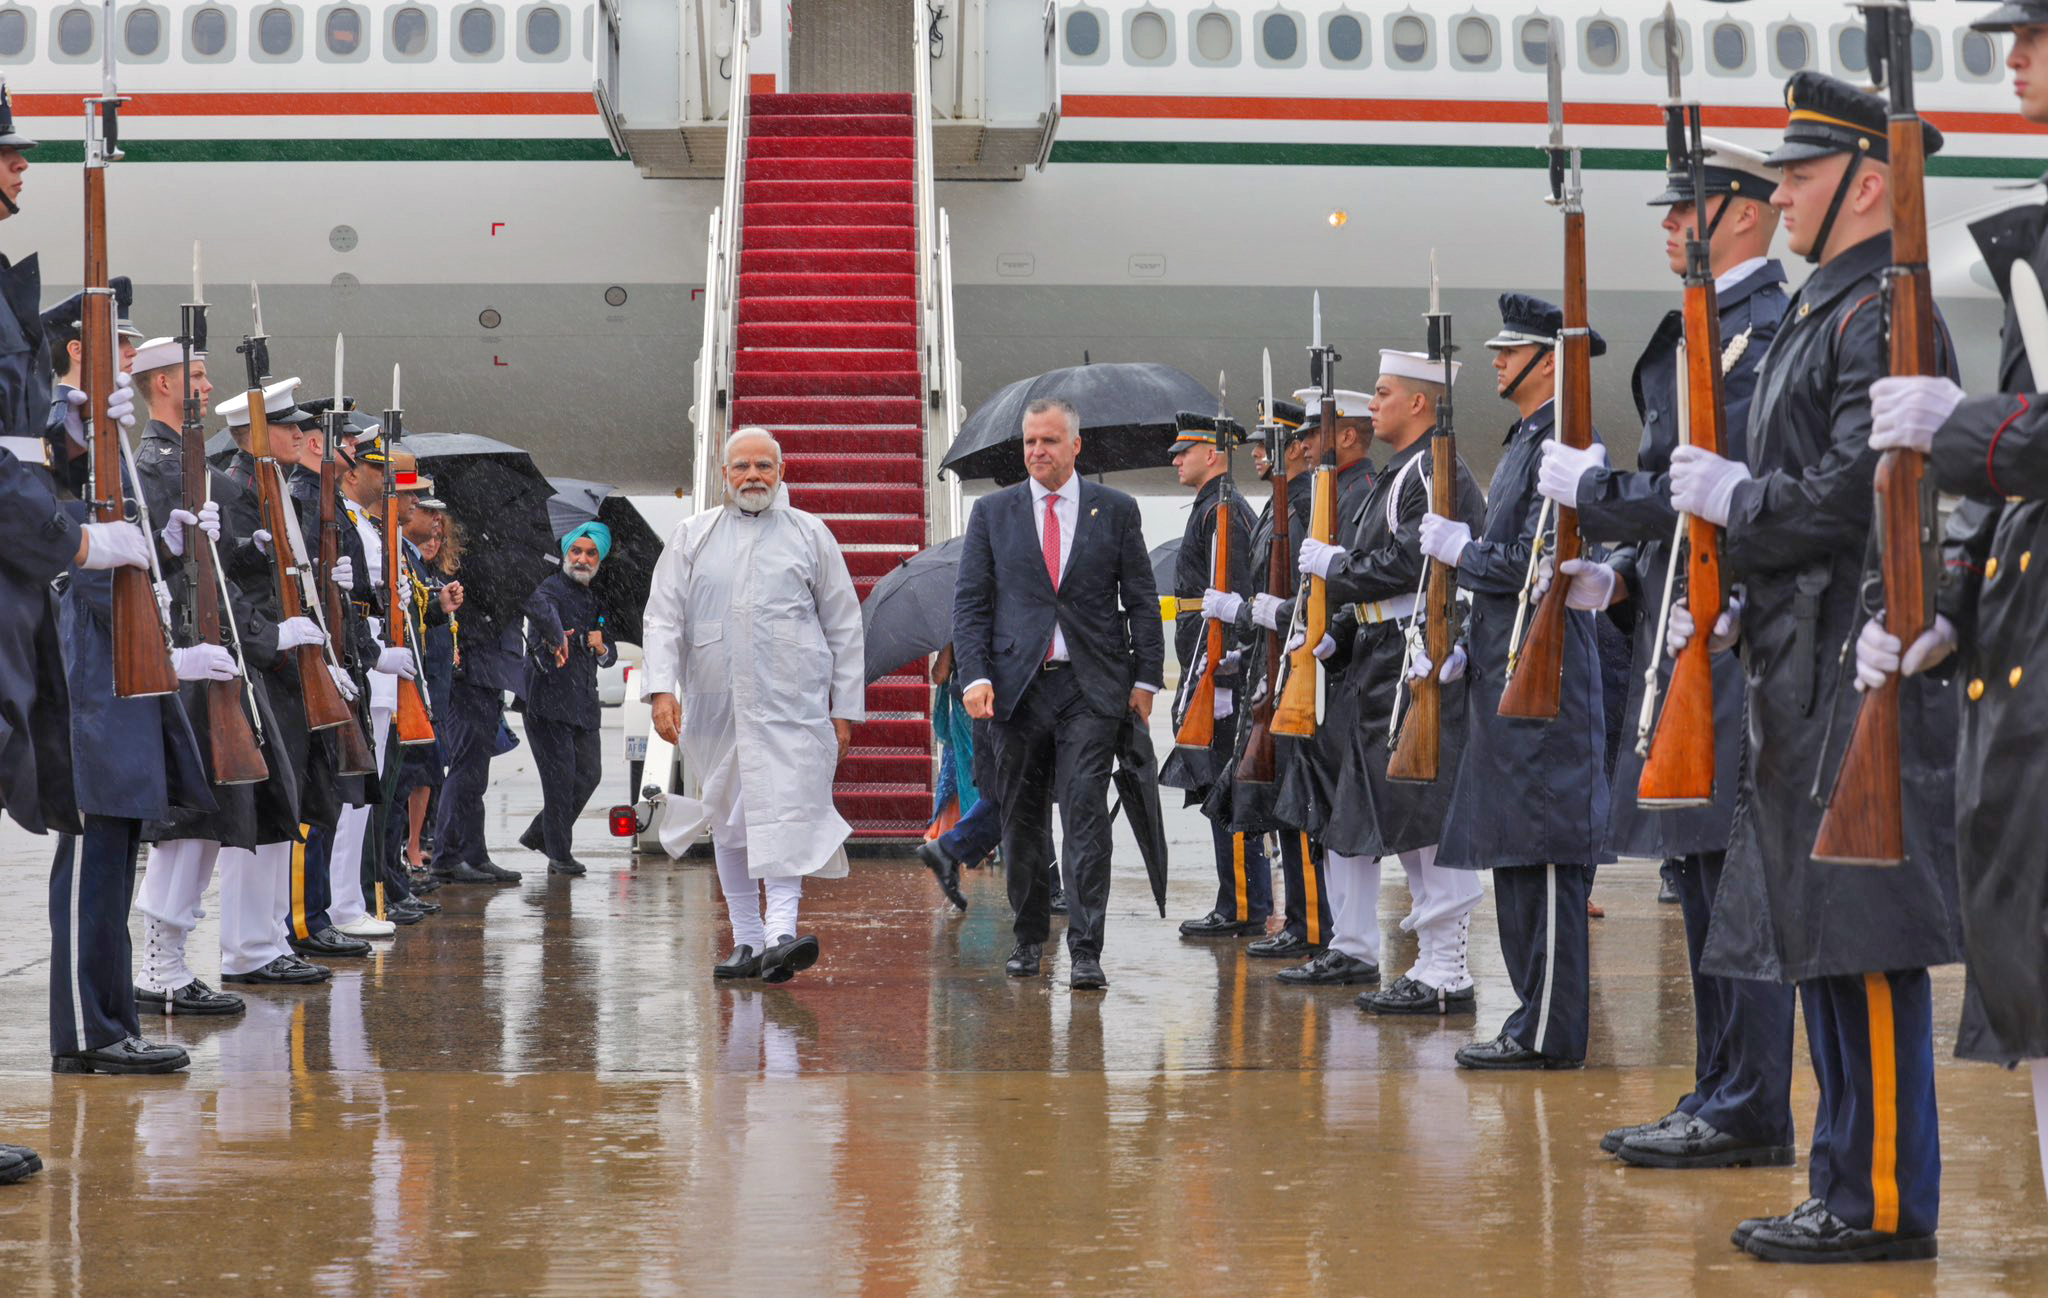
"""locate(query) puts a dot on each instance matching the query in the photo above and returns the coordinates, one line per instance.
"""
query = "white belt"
(1385, 610)
(29, 450)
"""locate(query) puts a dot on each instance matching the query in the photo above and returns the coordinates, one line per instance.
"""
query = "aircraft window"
(1731, 47)
(13, 33)
(409, 28)
(143, 32)
(1653, 47)
(1851, 51)
(1979, 55)
(1280, 36)
(1409, 36)
(544, 30)
(74, 32)
(209, 33)
(1536, 42)
(1793, 48)
(274, 32)
(477, 31)
(1149, 36)
(1215, 38)
(1475, 41)
(1084, 34)
(344, 31)
(1603, 44)
(1344, 41)
(1923, 53)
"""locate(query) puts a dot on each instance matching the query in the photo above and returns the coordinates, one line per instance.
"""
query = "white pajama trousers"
(1440, 914)
(744, 893)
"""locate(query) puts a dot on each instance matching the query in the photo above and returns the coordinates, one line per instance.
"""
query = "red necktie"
(1050, 544)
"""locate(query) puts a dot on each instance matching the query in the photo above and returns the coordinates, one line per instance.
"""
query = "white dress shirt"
(1067, 509)
(1734, 275)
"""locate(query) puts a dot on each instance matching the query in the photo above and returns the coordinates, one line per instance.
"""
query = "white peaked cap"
(158, 353)
(1736, 157)
(1350, 405)
(277, 400)
(1415, 365)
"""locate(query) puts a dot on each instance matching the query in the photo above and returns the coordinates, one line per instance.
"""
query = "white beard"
(581, 574)
(755, 499)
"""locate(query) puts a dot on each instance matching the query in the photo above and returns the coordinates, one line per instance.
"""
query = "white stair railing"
(935, 302)
(711, 407)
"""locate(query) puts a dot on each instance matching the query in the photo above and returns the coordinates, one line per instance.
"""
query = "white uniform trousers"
(172, 889)
(743, 893)
(254, 887)
(345, 902)
(1440, 916)
(1354, 886)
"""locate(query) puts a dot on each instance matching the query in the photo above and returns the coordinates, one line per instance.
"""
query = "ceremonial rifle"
(353, 751)
(414, 720)
(141, 629)
(1301, 689)
(231, 733)
(1258, 766)
(325, 708)
(1678, 766)
(1865, 821)
(1420, 727)
(1198, 721)
(1535, 669)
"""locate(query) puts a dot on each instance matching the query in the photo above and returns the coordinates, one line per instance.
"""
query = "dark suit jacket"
(1004, 606)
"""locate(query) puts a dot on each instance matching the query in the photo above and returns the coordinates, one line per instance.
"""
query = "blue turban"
(597, 532)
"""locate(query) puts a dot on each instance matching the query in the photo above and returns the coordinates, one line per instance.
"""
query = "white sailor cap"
(278, 406)
(1350, 404)
(160, 353)
(1415, 365)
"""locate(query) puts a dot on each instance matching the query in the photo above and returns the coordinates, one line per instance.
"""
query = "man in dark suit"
(1056, 630)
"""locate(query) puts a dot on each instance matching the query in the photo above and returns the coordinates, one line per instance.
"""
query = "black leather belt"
(1054, 665)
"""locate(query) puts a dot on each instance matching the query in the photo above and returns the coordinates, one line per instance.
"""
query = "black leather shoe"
(461, 872)
(18, 1162)
(1504, 1052)
(531, 839)
(744, 962)
(404, 914)
(1611, 1142)
(497, 872)
(1412, 996)
(1059, 901)
(1086, 975)
(285, 971)
(194, 997)
(1024, 961)
(1284, 945)
(1218, 924)
(569, 866)
(1749, 1225)
(1331, 969)
(946, 871)
(128, 1055)
(786, 959)
(331, 942)
(1667, 894)
(1821, 1236)
(422, 905)
(422, 882)
(1692, 1143)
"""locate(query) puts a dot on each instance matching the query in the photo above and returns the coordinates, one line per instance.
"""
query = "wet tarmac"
(542, 1091)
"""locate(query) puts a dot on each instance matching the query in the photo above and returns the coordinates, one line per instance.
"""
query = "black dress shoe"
(1086, 975)
(331, 942)
(497, 872)
(744, 962)
(404, 914)
(531, 839)
(1331, 969)
(18, 1162)
(1749, 1225)
(568, 865)
(1218, 924)
(786, 959)
(1692, 1143)
(1284, 945)
(1504, 1052)
(128, 1055)
(422, 905)
(422, 882)
(1024, 961)
(194, 997)
(1059, 901)
(1611, 1142)
(1412, 996)
(461, 872)
(285, 971)
(1667, 894)
(1820, 1236)
(946, 871)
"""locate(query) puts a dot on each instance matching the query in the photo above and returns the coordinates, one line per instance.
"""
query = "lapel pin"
(1093, 512)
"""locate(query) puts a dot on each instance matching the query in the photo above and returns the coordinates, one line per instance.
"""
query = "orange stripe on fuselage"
(359, 103)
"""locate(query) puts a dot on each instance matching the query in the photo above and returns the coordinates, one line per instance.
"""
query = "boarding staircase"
(828, 321)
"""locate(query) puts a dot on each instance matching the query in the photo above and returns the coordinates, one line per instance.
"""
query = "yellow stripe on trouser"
(1244, 909)
(299, 928)
(1884, 1106)
(1313, 907)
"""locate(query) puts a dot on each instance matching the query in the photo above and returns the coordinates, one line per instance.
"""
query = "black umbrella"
(500, 499)
(909, 613)
(1137, 794)
(1165, 562)
(1127, 419)
(627, 573)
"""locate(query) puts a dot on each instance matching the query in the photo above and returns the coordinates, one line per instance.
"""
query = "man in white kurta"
(753, 624)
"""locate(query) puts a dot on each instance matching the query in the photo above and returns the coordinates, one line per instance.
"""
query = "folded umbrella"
(1137, 792)
(1128, 419)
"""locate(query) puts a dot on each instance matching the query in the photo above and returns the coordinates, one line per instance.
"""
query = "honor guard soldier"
(62, 324)
(1372, 573)
(1739, 1111)
(1244, 879)
(1797, 513)
(1993, 450)
(1530, 802)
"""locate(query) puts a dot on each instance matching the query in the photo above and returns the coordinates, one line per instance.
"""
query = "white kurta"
(753, 623)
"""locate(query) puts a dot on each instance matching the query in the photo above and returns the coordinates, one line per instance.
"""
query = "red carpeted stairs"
(828, 360)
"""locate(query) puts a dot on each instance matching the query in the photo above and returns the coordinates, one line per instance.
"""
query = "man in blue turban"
(565, 645)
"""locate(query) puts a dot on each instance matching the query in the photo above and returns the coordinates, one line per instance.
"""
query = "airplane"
(442, 181)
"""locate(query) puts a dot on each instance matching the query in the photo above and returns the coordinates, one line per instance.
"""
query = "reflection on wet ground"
(542, 1091)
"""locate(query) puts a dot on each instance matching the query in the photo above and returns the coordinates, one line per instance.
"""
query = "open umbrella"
(1127, 419)
(1137, 793)
(500, 499)
(627, 573)
(1165, 561)
(909, 613)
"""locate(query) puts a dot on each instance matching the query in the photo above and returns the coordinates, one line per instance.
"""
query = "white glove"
(1680, 630)
(1703, 484)
(1593, 584)
(1295, 641)
(115, 545)
(121, 401)
(1444, 539)
(1564, 467)
(344, 573)
(1419, 665)
(1317, 556)
(343, 682)
(1230, 661)
(1325, 647)
(1877, 651)
(399, 663)
(404, 584)
(297, 632)
(207, 520)
(1906, 412)
(1221, 605)
(1266, 610)
(261, 540)
(1226, 703)
(203, 662)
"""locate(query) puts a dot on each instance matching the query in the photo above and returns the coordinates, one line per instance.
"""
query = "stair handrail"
(934, 293)
(703, 404)
(954, 516)
(713, 405)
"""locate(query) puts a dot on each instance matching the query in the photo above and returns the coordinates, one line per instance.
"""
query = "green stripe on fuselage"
(388, 150)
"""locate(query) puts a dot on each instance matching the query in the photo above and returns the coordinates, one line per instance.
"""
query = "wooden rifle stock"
(1865, 819)
(355, 755)
(1259, 765)
(325, 708)
(1417, 755)
(1295, 716)
(414, 722)
(1198, 726)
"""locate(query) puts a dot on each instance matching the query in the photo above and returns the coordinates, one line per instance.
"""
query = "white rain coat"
(752, 622)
